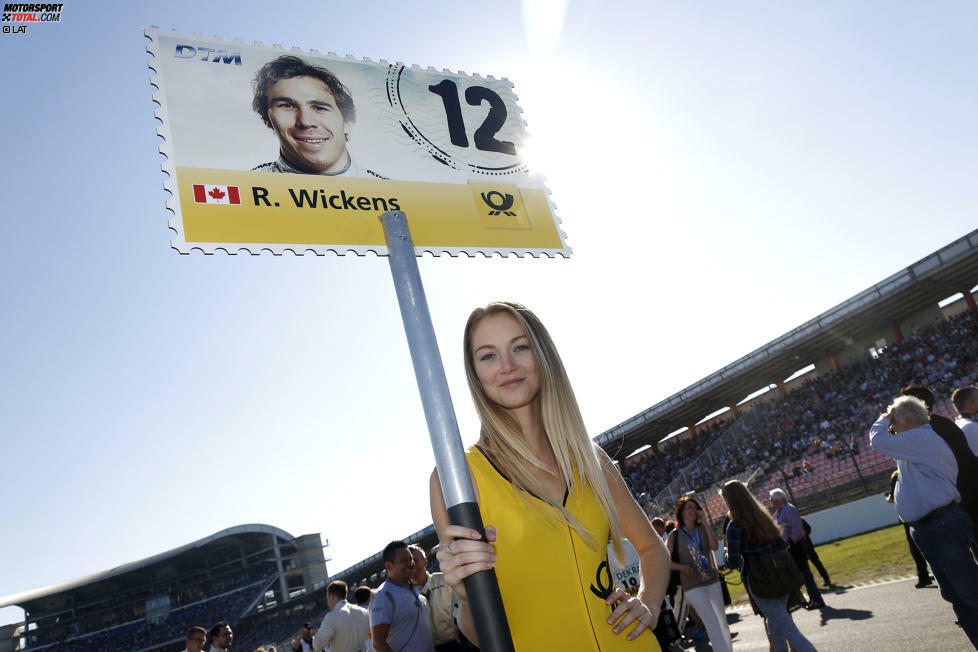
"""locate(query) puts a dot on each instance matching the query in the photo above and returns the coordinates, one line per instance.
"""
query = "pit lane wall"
(863, 515)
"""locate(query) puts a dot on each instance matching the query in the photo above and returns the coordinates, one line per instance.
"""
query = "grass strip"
(869, 557)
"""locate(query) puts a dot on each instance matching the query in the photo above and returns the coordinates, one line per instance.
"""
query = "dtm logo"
(189, 52)
(505, 202)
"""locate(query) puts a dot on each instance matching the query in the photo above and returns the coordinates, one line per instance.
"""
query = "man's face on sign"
(310, 127)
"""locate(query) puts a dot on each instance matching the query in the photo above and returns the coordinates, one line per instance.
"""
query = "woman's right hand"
(463, 553)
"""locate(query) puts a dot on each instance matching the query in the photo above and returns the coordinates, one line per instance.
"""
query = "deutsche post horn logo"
(505, 202)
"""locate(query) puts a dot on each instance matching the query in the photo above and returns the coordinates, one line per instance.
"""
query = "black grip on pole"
(485, 601)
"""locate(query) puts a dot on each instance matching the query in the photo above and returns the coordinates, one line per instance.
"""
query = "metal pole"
(855, 465)
(482, 588)
(787, 485)
(706, 506)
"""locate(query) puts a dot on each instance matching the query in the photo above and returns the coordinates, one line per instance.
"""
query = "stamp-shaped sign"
(288, 150)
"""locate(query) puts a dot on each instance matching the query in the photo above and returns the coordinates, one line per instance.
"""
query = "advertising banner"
(273, 149)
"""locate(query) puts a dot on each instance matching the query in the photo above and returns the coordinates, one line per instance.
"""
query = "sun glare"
(543, 22)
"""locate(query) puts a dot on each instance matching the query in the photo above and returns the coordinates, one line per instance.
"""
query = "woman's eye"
(522, 347)
(487, 356)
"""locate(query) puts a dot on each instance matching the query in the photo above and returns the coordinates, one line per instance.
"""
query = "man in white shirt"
(221, 636)
(196, 638)
(965, 400)
(346, 626)
(440, 601)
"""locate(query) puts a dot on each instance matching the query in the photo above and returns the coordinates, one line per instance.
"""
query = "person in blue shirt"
(927, 499)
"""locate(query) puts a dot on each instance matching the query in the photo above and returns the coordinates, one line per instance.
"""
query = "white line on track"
(746, 607)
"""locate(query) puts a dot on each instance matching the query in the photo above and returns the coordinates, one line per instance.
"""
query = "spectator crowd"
(828, 413)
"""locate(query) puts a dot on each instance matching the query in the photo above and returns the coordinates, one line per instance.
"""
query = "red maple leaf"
(216, 193)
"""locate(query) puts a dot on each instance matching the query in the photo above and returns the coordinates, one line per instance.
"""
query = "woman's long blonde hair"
(502, 438)
(748, 513)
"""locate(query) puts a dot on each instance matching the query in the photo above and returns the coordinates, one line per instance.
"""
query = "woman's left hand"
(630, 610)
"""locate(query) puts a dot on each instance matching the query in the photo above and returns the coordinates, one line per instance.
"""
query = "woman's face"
(690, 510)
(504, 362)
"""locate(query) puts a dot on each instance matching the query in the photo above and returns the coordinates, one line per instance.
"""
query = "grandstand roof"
(190, 555)
(923, 284)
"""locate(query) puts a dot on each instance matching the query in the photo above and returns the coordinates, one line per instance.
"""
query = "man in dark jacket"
(967, 462)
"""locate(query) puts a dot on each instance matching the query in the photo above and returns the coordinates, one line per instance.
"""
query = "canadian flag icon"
(216, 194)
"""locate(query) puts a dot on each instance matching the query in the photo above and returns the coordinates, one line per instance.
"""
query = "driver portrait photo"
(311, 113)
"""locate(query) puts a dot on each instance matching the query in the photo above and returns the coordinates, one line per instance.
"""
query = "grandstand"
(370, 571)
(248, 574)
(842, 334)
(833, 376)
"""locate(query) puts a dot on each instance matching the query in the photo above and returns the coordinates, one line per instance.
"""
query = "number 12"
(474, 95)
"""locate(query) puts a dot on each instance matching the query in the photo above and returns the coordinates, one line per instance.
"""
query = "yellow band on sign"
(243, 208)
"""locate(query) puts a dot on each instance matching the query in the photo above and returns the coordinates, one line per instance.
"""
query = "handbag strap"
(417, 616)
(674, 535)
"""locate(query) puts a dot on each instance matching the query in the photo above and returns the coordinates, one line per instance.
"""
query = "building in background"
(246, 574)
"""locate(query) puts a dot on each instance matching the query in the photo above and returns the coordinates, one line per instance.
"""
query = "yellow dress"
(553, 584)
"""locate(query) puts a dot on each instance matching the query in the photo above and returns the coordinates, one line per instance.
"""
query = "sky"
(723, 173)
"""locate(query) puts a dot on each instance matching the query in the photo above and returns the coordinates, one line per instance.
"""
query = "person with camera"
(927, 499)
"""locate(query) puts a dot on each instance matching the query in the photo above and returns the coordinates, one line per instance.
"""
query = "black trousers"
(666, 630)
(452, 646)
(797, 551)
(813, 557)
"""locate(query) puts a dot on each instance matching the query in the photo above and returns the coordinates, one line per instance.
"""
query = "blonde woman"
(550, 499)
(753, 533)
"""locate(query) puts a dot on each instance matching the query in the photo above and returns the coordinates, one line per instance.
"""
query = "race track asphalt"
(892, 616)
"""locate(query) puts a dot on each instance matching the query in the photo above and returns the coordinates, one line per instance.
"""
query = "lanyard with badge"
(697, 553)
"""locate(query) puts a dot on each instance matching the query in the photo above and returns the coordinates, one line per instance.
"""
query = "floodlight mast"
(482, 588)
